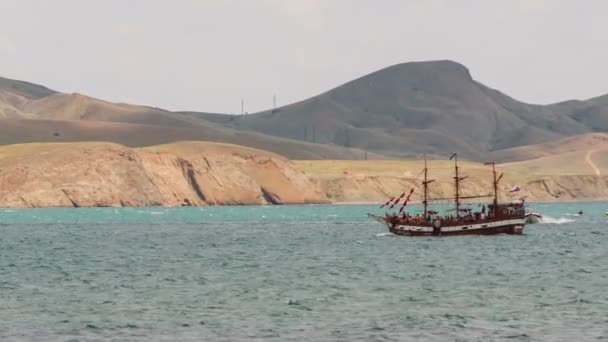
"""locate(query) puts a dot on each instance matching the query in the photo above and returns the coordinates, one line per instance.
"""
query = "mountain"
(401, 111)
(592, 113)
(32, 113)
(28, 101)
(433, 107)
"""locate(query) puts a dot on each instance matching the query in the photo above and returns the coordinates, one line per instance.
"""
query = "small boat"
(500, 218)
(533, 217)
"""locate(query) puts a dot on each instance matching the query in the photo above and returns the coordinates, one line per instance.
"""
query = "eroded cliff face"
(189, 173)
(377, 189)
(198, 173)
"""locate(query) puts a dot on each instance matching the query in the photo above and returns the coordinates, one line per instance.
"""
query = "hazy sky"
(206, 55)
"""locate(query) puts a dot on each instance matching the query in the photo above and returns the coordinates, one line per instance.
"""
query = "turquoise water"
(301, 273)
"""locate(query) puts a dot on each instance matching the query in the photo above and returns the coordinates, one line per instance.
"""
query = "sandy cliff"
(555, 178)
(197, 173)
(377, 189)
(188, 173)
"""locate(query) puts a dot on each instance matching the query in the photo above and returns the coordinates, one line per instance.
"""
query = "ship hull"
(533, 218)
(512, 227)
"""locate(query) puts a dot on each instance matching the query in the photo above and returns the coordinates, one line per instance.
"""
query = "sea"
(296, 273)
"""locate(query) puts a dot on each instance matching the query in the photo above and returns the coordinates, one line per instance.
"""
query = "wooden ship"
(499, 218)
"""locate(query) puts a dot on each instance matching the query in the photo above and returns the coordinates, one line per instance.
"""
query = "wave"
(384, 234)
(552, 220)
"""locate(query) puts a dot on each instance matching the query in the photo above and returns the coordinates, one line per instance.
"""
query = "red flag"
(389, 201)
(488, 163)
(393, 204)
(406, 200)
(397, 200)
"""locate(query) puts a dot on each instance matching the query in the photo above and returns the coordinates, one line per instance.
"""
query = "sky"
(207, 55)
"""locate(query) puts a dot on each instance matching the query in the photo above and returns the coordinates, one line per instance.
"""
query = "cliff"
(556, 178)
(202, 173)
(187, 173)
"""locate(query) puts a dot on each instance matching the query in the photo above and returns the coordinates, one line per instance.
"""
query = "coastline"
(180, 174)
(358, 203)
(97, 174)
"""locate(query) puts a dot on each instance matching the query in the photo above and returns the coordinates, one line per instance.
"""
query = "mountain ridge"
(420, 97)
(401, 111)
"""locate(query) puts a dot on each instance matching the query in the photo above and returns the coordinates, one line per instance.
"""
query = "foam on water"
(552, 220)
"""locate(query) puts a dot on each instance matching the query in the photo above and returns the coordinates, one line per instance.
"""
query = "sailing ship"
(500, 218)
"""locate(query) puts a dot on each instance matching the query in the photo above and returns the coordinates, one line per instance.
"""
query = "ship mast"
(457, 183)
(426, 188)
(495, 186)
(457, 180)
(426, 183)
(496, 180)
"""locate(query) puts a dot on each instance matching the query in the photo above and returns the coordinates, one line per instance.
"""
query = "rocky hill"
(188, 173)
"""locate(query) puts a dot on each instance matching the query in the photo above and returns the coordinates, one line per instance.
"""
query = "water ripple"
(305, 273)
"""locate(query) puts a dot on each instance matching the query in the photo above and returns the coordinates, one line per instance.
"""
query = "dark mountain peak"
(426, 70)
(416, 107)
(443, 78)
(445, 65)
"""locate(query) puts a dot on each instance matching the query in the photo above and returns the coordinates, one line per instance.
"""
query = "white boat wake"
(552, 220)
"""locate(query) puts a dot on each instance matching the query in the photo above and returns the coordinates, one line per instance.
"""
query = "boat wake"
(384, 234)
(552, 220)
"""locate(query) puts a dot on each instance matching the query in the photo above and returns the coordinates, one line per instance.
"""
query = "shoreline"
(356, 203)
(96, 174)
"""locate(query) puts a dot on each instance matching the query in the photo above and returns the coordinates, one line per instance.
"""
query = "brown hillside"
(106, 174)
(579, 143)
(15, 131)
